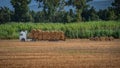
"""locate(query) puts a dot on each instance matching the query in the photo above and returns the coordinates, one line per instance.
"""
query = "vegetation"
(72, 30)
(53, 11)
(5, 15)
(116, 8)
(21, 10)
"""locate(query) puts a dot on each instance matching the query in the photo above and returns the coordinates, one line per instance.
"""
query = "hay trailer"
(38, 35)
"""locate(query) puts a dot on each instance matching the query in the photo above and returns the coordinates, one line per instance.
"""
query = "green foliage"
(72, 30)
(80, 6)
(103, 14)
(107, 14)
(5, 15)
(116, 5)
(116, 8)
(21, 10)
(90, 15)
(53, 11)
(111, 15)
(50, 8)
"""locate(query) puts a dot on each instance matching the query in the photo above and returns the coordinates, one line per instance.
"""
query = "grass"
(72, 30)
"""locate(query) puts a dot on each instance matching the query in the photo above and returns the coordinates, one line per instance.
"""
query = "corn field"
(72, 30)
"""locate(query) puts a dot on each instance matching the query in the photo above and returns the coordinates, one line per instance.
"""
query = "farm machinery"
(39, 35)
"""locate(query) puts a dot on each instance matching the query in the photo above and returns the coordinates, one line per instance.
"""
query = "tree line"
(53, 11)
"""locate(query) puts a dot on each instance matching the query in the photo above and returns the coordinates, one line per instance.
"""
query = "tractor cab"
(23, 36)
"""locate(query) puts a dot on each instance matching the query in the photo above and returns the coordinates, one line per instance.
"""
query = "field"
(72, 30)
(72, 53)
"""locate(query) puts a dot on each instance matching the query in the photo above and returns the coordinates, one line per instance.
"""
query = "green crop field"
(72, 30)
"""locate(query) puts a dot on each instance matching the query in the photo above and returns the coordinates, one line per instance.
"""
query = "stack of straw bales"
(40, 35)
(46, 35)
(31, 34)
(62, 37)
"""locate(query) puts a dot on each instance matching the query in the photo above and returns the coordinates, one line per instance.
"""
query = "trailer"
(39, 35)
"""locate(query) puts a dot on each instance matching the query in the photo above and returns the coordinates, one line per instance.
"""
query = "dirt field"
(72, 53)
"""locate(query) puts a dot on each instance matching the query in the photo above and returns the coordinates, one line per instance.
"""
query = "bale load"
(62, 37)
(40, 35)
(46, 35)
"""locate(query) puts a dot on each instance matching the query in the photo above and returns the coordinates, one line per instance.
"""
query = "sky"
(101, 0)
(101, 4)
(97, 4)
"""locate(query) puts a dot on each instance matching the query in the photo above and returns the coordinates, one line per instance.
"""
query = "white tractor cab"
(23, 36)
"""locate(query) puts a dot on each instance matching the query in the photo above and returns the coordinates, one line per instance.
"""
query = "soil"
(72, 53)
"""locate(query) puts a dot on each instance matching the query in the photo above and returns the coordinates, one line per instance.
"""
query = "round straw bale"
(40, 35)
(33, 31)
(57, 35)
(30, 35)
(47, 35)
(62, 37)
(50, 35)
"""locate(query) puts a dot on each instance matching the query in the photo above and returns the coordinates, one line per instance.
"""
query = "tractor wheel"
(23, 40)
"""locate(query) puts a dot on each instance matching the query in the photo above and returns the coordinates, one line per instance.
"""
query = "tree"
(90, 14)
(50, 7)
(107, 14)
(21, 10)
(103, 14)
(116, 6)
(5, 15)
(60, 17)
(111, 14)
(80, 6)
(85, 15)
(40, 17)
(93, 14)
(67, 18)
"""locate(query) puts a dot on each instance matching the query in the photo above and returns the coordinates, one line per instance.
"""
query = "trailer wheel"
(33, 40)
(23, 40)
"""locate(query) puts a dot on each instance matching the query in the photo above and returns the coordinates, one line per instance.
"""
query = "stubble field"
(72, 53)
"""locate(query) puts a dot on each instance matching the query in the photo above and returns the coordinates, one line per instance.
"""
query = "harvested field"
(72, 53)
